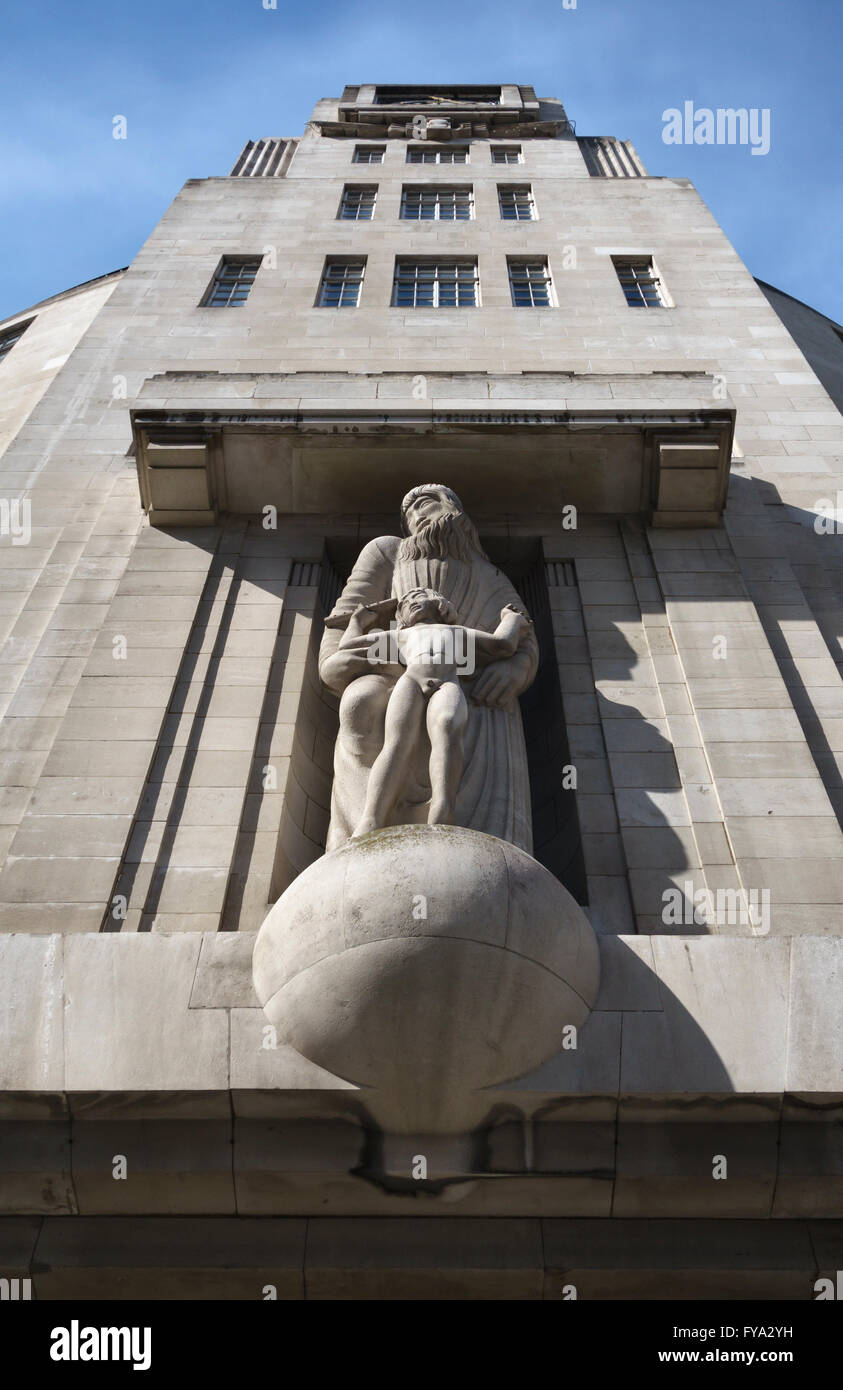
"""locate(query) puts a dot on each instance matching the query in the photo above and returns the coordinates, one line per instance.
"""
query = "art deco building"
(447, 284)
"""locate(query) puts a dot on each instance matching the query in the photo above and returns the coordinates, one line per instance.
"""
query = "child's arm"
(363, 621)
(507, 636)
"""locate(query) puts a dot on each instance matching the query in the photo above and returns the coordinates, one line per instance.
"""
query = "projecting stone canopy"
(657, 445)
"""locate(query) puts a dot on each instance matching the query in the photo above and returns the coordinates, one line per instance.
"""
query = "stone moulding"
(655, 447)
(175, 1064)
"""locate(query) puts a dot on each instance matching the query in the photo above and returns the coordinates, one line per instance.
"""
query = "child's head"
(424, 606)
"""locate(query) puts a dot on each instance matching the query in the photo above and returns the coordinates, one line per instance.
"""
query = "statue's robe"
(494, 793)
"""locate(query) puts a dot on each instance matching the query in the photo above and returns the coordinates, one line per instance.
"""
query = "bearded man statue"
(440, 551)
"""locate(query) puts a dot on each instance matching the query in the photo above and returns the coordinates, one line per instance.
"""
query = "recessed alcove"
(556, 833)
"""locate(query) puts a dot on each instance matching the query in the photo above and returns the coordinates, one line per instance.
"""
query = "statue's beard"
(449, 537)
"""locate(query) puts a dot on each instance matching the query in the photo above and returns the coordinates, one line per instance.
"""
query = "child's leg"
(402, 725)
(447, 716)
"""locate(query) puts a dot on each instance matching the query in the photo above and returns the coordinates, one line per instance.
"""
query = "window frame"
(345, 262)
(368, 149)
(359, 188)
(403, 263)
(512, 262)
(11, 335)
(437, 151)
(435, 191)
(637, 263)
(506, 149)
(218, 277)
(515, 189)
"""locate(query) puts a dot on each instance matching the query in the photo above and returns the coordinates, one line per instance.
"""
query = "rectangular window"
(436, 285)
(432, 204)
(530, 284)
(232, 282)
(506, 154)
(369, 154)
(341, 281)
(516, 202)
(358, 202)
(639, 282)
(12, 335)
(437, 154)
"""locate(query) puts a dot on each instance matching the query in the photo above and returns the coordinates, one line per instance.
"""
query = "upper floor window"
(232, 282)
(530, 284)
(640, 282)
(10, 336)
(506, 154)
(436, 284)
(516, 202)
(432, 204)
(358, 202)
(369, 154)
(341, 282)
(437, 154)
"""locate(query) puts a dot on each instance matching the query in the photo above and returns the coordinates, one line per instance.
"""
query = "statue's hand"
(498, 685)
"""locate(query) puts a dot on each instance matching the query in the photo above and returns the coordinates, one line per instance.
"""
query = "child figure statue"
(436, 651)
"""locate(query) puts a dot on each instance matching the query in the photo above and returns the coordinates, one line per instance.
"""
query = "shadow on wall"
(792, 562)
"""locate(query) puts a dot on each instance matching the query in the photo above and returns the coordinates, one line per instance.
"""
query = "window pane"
(232, 283)
(640, 284)
(530, 284)
(437, 284)
(341, 283)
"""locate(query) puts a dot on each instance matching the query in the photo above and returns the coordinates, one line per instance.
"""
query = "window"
(432, 204)
(341, 281)
(442, 154)
(640, 283)
(516, 202)
(10, 336)
(506, 154)
(358, 202)
(232, 282)
(530, 284)
(369, 154)
(436, 285)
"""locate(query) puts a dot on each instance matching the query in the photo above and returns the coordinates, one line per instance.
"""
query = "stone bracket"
(689, 479)
(179, 480)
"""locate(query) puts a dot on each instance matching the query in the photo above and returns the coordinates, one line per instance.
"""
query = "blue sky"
(196, 80)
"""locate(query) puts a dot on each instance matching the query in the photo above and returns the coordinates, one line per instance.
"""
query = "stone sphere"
(426, 960)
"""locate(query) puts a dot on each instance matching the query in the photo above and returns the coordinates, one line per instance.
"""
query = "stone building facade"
(450, 284)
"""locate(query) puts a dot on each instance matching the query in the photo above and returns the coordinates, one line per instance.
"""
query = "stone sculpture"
(427, 955)
(437, 653)
(441, 551)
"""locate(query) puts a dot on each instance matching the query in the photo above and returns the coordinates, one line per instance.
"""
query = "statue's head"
(424, 606)
(436, 526)
(428, 502)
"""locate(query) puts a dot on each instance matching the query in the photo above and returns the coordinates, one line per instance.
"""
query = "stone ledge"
(397, 1258)
(178, 1016)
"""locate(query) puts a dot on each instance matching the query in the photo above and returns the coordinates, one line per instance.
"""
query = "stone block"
(224, 972)
(35, 1173)
(663, 1260)
(698, 1045)
(815, 1023)
(170, 1167)
(167, 1258)
(140, 1035)
(31, 1020)
(401, 1258)
(670, 1169)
